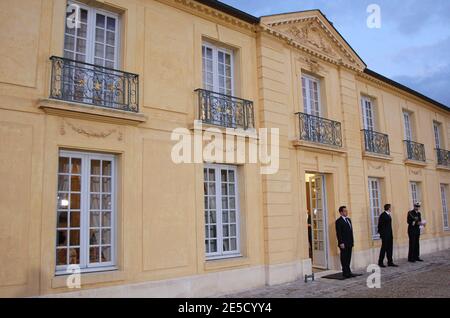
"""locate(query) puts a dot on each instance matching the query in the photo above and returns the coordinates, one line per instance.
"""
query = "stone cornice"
(397, 90)
(213, 13)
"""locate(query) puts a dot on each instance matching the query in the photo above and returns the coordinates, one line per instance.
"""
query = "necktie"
(348, 222)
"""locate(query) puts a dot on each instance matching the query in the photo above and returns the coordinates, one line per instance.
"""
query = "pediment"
(314, 33)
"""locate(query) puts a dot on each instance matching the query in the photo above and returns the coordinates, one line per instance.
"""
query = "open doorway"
(316, 203)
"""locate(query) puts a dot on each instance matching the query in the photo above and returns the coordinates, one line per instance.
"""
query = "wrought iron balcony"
(86, 83)
(320, 130)
(415, 151)
(443, 157)
(224, 110)
(376, 142)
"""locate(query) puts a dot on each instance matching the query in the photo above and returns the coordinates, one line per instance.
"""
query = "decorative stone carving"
(310, 34)
(89, 132)
(376, 167)
(415, 172)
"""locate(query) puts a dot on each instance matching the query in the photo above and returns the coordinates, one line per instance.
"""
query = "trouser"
(414, 251)
(387, 245)
(346, 257)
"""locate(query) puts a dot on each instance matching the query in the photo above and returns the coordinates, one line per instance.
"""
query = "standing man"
(414, 220)
(344, 233)
(387, 238)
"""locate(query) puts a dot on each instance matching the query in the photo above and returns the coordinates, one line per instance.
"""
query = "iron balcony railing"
(415, 151)
(224, 110)
(320, 130)
(443, 157)
(376, 142)
(86, 83)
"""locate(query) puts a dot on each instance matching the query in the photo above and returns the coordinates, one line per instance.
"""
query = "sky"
(412, 46)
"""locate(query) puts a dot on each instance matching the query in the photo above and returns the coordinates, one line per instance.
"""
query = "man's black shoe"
(392, 265)
(381, 265)
(419, 260)
(353, 275)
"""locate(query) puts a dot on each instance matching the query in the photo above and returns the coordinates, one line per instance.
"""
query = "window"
(217, 69)
(368, 113)
(85, 211)
(95, 39)
(375, 204)
(311, 95)
(416, 194)
(408, 127)
(437, 134)
(221, 211)
(444, 188)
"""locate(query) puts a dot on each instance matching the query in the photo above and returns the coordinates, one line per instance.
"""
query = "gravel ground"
(427, 279)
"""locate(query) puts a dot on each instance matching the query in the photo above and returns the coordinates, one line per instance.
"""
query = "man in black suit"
(414, 220)
(344, 233)
(387, 238)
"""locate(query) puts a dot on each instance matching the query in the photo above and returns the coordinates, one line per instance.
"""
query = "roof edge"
(405, 88)
(230, 10)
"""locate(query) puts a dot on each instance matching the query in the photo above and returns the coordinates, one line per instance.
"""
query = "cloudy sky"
(412, 46)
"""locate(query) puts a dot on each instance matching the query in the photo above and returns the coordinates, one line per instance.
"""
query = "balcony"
(224, 110)
(320, 130)
(415, 151)
(443, 157)
(80, 82)
(376, 143)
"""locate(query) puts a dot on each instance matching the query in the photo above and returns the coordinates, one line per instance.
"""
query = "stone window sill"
(90, 278)
(83, 111)
(319, 147)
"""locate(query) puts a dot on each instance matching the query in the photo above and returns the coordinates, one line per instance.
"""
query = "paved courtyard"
(430, 278)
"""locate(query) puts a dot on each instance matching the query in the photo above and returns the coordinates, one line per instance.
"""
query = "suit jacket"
(385, 226)
(413, 219)
(344, 232)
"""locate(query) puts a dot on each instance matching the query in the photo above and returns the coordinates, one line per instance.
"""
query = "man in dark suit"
(344, 233)
(414, 220)
(387, 238)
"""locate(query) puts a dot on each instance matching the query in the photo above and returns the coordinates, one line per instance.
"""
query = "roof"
(225, 8)
(256, 20)
(405, 88)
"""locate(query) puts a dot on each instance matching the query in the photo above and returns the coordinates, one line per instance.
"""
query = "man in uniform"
(414, 220)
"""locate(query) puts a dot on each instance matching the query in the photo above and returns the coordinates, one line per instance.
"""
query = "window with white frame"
(311, 95)
(368, 113)
(375, 204)
(408, 125)
(221, 211)
(85, 229)
(92, 36)
(444, 191)
(416, 194)
(437, 134)
(217, 65)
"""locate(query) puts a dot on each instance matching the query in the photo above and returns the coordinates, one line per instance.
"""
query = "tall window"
(416, 195)
(94, 39)
(217, 69)
(375, 204)
(85, 211)
(368, 113)
(408, 125)
(444, 188)
(311, 95)
(221, 211)
(437, 134)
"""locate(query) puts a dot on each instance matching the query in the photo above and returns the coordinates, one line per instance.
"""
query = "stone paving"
(430, 278)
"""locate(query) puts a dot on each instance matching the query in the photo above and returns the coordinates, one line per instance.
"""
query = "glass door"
(318, 221)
